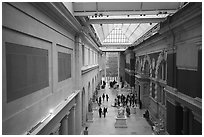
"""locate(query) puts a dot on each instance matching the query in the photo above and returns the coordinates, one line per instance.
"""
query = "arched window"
(162, 70)
(146, 68)
(137, 66)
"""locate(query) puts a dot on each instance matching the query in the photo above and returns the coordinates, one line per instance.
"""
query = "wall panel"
(27, 70)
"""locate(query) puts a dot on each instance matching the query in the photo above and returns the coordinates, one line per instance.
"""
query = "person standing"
(86, 131)
(128, 111)
(133, 99)
(100, 112)
(104, 111)
(130, 101)
(107, 97)
(103, 96)
(99, 101)
(126, 102)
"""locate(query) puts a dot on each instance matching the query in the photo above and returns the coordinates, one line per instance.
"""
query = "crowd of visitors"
(128, 100)
(113, 84)
(99, 99)
(104, 110)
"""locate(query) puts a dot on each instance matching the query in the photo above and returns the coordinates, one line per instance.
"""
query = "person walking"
(99, 101)
(130, 101)
(103, 96)
(126, 102)
(128, 111)
(100, 112)
(105, 110)
(107, 97)
(133, 99)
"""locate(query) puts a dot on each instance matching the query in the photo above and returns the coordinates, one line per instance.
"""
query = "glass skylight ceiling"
(123, 33)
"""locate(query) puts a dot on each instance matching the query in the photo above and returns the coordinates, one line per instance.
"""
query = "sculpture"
(90, 106)
(121, 112)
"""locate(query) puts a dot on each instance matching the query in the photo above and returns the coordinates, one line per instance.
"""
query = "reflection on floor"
(137, 125)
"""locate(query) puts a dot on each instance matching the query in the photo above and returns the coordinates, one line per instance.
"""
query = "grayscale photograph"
(102, 68)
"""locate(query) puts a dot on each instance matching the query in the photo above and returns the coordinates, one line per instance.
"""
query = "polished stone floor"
(137, 125)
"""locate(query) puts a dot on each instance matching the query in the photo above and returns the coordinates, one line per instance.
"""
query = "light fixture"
(101, 15)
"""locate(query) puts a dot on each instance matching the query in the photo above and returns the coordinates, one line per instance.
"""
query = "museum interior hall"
(101, 68)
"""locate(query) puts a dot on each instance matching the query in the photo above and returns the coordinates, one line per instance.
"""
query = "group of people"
(122, 100)
(103, 85)
(99, 99)
(112, 84)
(103, 111)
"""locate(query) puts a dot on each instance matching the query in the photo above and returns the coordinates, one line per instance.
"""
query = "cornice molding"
(187, 13)
(175, 96)
(59, 14)
(151, 41)
(90, 41)
(197, 117)
(88, 69)
(55, 112)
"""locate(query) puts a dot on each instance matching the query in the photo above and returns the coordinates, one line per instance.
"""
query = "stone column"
(64, 125)
(150, 89)
(71, 121)
(118, 67)
(185, 130)
(155, 91)
(78, 112)
(78, 62)
(190, 127)
(162, 75)
(105, 66)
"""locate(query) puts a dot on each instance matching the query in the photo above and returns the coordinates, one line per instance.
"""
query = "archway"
(93, 86)
(137, 66)
(161, 64)
(89, 91)
(88, 98)
(147, 66)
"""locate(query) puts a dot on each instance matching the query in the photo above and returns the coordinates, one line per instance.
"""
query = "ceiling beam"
(117, 46)
(115, 13)
(127, 21)
(112, 50)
